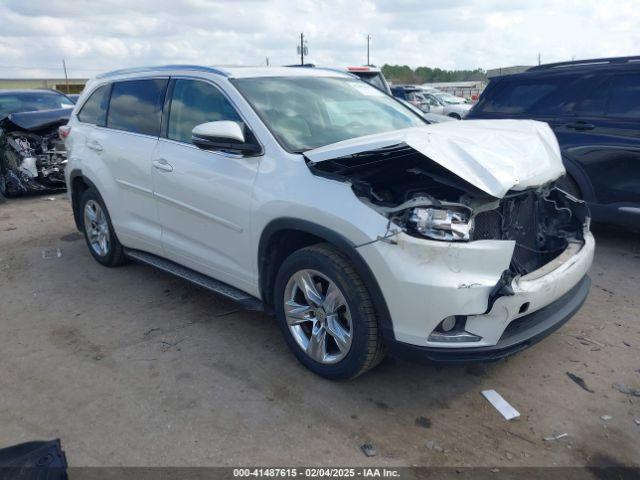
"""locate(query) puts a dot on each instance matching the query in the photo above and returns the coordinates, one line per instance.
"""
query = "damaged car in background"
(32, 155)
(314, 196)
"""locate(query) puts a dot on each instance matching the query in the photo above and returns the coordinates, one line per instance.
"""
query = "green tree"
(405, 74)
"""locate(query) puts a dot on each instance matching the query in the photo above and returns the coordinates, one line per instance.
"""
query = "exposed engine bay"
(32, 156)
(424, 199)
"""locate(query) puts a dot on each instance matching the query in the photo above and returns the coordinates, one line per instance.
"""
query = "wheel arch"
(577, 173)
(78, 184)
(283, 236)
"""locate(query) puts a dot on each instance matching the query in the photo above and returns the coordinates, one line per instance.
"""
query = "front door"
(204, 197)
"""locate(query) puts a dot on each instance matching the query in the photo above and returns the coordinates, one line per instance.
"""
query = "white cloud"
(97, 36)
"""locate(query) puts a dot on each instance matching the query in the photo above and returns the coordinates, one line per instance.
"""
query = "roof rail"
(198, 68)
(586, 63)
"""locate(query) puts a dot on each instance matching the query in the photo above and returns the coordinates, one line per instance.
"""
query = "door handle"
(580, 125)
(94, 145)
(162, 164)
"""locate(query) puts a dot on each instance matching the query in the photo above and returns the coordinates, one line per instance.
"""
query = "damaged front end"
(32, 156)
(424, 199)
(479, 237)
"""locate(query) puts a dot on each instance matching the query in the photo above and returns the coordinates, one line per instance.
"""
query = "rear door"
(92, 114)
(126, 144)
(603, 137)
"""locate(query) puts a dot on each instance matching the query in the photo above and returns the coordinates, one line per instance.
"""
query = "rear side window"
(194, 102)
(624, 99)
(538, 97)
(94, 109)
(374, 79)
(136, 106)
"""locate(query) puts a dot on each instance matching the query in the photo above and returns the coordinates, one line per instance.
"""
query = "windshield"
(13, 102)
(310, 112)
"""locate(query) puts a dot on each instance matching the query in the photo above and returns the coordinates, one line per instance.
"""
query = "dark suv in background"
(593, 107)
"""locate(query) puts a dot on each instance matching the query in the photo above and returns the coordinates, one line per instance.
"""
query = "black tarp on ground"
(40, 460)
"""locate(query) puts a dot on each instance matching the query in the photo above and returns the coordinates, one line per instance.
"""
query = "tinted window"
(532, 96)
(94, 109)
(194, 102)
(624, 100)
(374, 79)
(593, 97)
(136, 106)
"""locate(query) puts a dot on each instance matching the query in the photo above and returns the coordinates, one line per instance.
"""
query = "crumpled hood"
(494, 155)
(37, 120)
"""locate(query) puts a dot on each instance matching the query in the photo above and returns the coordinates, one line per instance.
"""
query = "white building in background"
(498, 72)
(75, 85)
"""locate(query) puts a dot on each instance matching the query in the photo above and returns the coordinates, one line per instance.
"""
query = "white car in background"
(441, 104)
(316, 197)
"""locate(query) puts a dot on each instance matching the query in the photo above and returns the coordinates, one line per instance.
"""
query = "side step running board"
(243, 299)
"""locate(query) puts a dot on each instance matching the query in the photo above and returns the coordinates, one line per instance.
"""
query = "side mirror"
(222, 135)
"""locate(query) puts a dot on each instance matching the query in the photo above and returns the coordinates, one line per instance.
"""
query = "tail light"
(64, 131)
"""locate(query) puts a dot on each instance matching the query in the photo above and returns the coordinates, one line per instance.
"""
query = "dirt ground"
(131, 366)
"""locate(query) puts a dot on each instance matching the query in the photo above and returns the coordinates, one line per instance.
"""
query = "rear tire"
(99, 235)
(342, 314)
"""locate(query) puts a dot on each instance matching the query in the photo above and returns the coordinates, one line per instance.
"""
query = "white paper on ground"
(500, 404)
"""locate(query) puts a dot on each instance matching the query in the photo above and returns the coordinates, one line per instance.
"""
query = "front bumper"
(425, 281)
(520, 334)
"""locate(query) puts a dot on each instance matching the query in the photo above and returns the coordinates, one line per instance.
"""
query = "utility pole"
(368, 38)
(66, 78)
(302, 48)
(538, 58)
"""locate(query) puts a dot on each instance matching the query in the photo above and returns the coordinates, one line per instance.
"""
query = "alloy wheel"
(318, 316)
(97, 228)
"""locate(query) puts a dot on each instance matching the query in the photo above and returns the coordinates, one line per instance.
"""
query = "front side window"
(194, 102)
(309, 112)
(94, 109)
(593, 100)
(433, 101)
(136, 106)
(624, 100)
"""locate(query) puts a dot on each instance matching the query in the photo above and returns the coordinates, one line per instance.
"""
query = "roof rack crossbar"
(588, 62)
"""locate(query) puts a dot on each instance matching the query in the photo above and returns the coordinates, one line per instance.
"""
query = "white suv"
(314, 196)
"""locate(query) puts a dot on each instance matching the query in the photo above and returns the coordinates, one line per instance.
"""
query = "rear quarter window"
(548, 96)
(94, 109)
(136, 106)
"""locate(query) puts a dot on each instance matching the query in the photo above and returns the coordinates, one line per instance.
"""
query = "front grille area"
(525, 218)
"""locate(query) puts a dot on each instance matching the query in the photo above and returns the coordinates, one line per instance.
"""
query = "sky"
(101, 35)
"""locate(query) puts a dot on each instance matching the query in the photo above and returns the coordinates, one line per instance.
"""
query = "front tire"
(326, 314)
(98, 231)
